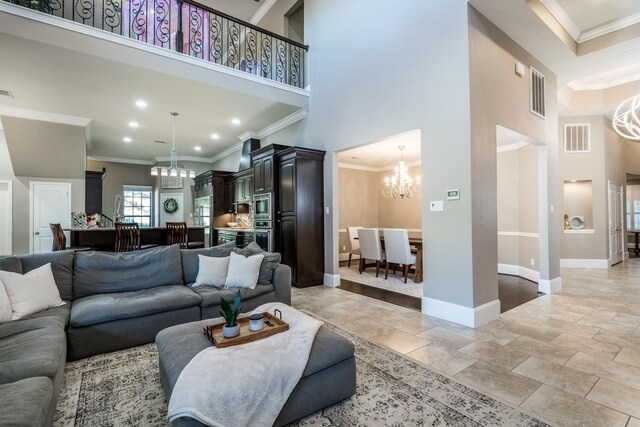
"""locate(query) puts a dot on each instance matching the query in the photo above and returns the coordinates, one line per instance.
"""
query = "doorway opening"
(5, 217)
(49, 203)
(632, 216)
(367, 199)
(521, 177)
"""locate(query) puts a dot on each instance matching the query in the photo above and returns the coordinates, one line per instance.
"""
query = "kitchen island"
(104, 239)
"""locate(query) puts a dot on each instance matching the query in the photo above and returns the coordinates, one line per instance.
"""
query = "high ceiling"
(385, 153)
(589, 14)
(242, 9)
(518, 20)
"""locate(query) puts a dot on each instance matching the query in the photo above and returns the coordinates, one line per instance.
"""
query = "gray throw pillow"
(11, 264)
(269, 262)
(190, 263)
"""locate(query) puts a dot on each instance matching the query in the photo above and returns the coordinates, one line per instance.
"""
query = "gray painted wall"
(45, 149)
(20, 198)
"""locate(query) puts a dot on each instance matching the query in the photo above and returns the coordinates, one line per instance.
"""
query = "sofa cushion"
(61, 265)
(190, 260)
(103, 308)
(10, 263)
(58, 314)
(211, 296)
(104, 272)
(25, 403)
(269, 263)
(31, 348)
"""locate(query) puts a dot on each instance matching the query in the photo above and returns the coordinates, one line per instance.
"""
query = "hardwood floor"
(512, 292)
(381, 294)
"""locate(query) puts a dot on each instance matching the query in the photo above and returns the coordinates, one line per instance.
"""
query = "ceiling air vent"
(160, 142)
(6, 93)
(577, 138)
(538, 106)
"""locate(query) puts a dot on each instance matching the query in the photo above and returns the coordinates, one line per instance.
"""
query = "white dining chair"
(354, 242)
(398, 250)
(370, 248)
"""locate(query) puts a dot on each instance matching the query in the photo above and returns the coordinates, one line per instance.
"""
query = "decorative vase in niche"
(230, 332)
(567, 225)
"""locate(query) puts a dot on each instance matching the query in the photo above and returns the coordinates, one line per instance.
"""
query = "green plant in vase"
(230, 312)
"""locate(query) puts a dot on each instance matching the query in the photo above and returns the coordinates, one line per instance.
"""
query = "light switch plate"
(436, 205)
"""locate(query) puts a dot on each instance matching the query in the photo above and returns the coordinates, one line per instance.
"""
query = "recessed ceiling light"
(126, 139)
(235, 121)
(215, 136)
(133, 124)
(140, 103)
(574, 180)
(197, 148)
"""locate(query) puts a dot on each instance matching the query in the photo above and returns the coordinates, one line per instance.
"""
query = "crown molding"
(121, 160)
(511, 147)
(609, 28)
(22, 113)
(226, 152)
(562, 17)
(248, 135)
(376, 169)
(262, 11)
(275, 127)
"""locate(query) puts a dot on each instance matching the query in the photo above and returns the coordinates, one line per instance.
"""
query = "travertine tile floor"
(571, 357)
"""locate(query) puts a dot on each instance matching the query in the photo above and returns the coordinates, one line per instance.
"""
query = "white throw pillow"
(5, 304)
(31, 293)
(243, 271)
(212, 271)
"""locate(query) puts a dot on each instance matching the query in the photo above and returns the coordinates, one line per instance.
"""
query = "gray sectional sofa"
(113, 301)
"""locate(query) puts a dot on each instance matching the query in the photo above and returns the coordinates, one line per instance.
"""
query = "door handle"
(37, 233)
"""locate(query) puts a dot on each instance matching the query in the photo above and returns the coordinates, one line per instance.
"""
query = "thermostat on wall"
(453, 194)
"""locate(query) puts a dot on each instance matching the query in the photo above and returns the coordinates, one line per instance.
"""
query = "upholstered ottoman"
(329, 377)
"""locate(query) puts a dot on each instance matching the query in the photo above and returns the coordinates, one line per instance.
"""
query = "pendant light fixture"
(400, 184)
(173, 170)
(626, 120)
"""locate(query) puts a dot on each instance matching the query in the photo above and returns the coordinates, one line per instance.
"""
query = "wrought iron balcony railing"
(190, 28)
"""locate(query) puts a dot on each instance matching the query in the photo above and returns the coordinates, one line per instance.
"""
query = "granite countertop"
(234, 229)
(191, 227)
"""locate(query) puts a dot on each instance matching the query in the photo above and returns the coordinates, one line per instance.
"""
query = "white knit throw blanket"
(248, 384)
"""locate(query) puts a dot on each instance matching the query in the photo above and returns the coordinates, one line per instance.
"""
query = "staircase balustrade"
(191, 28)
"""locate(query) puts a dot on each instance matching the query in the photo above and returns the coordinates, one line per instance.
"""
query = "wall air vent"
(577, 138)
(6, 93)
(538, 106)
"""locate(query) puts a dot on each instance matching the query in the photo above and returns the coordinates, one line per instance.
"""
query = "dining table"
(417, 243)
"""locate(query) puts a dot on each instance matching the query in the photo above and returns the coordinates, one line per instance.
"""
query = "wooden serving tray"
(214, 332)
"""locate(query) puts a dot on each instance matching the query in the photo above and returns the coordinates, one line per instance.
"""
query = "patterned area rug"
(123, 389)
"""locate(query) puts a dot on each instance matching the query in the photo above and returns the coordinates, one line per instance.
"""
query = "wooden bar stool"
(60, 240)
(178, 234)
(128, 237)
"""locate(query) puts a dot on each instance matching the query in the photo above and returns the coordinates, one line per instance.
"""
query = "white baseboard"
(467, 316)
(331, 280)
(550, 286)
(584, 263)
(517, 270)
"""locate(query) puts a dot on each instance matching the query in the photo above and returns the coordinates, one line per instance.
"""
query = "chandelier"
(626, 120)
(401, 185)
(173, 170)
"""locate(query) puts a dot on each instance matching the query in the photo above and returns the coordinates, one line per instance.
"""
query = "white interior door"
(5, 217)
(176, 216)
(616, 212)
(50, 202)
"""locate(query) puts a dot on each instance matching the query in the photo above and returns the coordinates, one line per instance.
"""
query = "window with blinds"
(538, 106)
(577, 138)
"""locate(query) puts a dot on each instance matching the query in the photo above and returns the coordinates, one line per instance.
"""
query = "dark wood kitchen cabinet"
(299, 228)
(263, 162)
